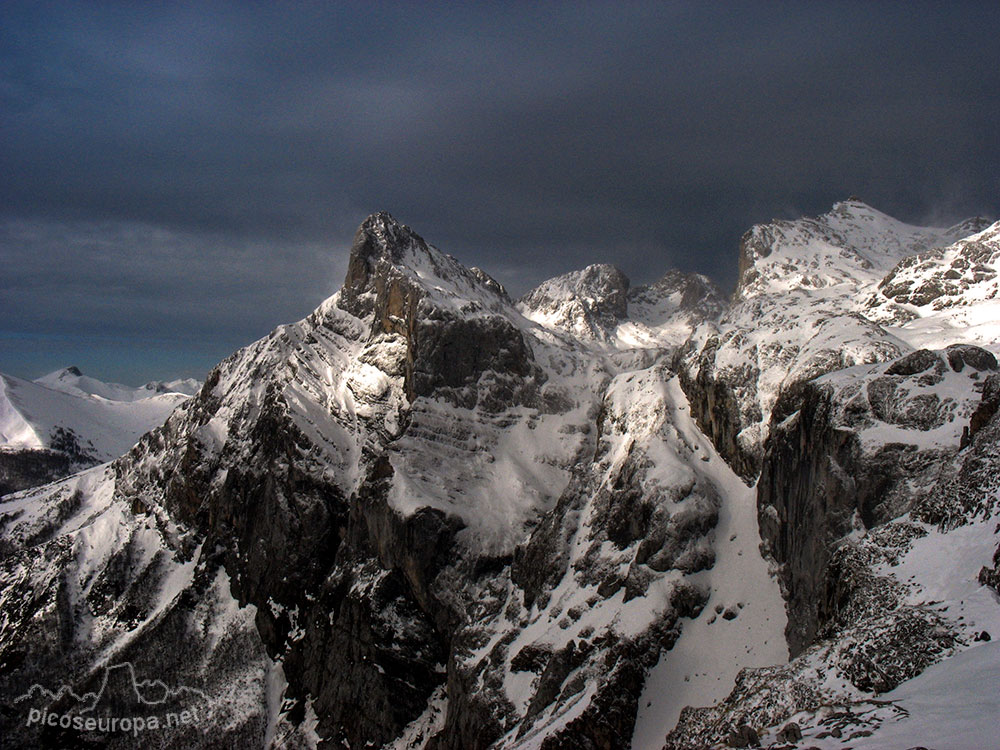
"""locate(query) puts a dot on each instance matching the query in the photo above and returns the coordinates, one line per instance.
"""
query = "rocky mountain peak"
(380, 235)
(388, 261)
(852, 243)
(590, 301)
(603, 285)
(380, 240)
(489, 282)
(969, 226)
(686, 292)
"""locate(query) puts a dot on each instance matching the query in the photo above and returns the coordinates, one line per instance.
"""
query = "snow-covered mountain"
(66, 421)
(945, 294)
(809, 300)
(852, 244)
(597, 304)
(71, 380)
(427, 516)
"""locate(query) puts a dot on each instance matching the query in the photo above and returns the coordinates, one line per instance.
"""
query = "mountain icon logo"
(121, 703)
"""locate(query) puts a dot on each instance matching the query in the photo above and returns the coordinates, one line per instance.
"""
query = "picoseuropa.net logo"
(122, 705)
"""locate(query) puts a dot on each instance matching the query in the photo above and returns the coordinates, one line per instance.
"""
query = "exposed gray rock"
(967, 488)
(744, 736)
(945, 277)
(823, 479)
(790, 733)
(591, 301)
(677, 294)
(960, 355)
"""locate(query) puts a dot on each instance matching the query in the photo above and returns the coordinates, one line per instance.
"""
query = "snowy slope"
(948, 705)
(852, 244)
(944, 296)
(741, 626)
(38, 417)
(71, 380)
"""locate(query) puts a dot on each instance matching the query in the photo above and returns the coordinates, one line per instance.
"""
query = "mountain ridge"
(493, 531)
(66, 421)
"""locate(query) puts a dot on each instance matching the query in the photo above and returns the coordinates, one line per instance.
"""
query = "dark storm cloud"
(252, 138)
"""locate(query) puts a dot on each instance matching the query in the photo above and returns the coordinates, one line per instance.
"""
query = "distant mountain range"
(66, 421)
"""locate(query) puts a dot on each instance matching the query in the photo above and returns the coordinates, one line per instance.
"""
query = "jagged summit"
(392, 267)
(380, 241)
(589, 302)
(598, 304)
(849, 287)
(851, 244)
(381, 236)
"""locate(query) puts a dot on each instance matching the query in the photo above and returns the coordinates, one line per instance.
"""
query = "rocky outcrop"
(967, 488)
(723, 401)
(755, 244)
(946, 277)
(829, 469)
(943, 283)
(446, 351)
(677, 293)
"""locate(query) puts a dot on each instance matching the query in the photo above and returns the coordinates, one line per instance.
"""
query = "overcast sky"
(177, 179)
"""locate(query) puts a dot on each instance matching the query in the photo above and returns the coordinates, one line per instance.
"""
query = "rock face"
(684, 292)
(590, 302)
(444, 349)
(852, 451)
(765, 349)
(426, 516)
(943, 278)
(597, 304)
